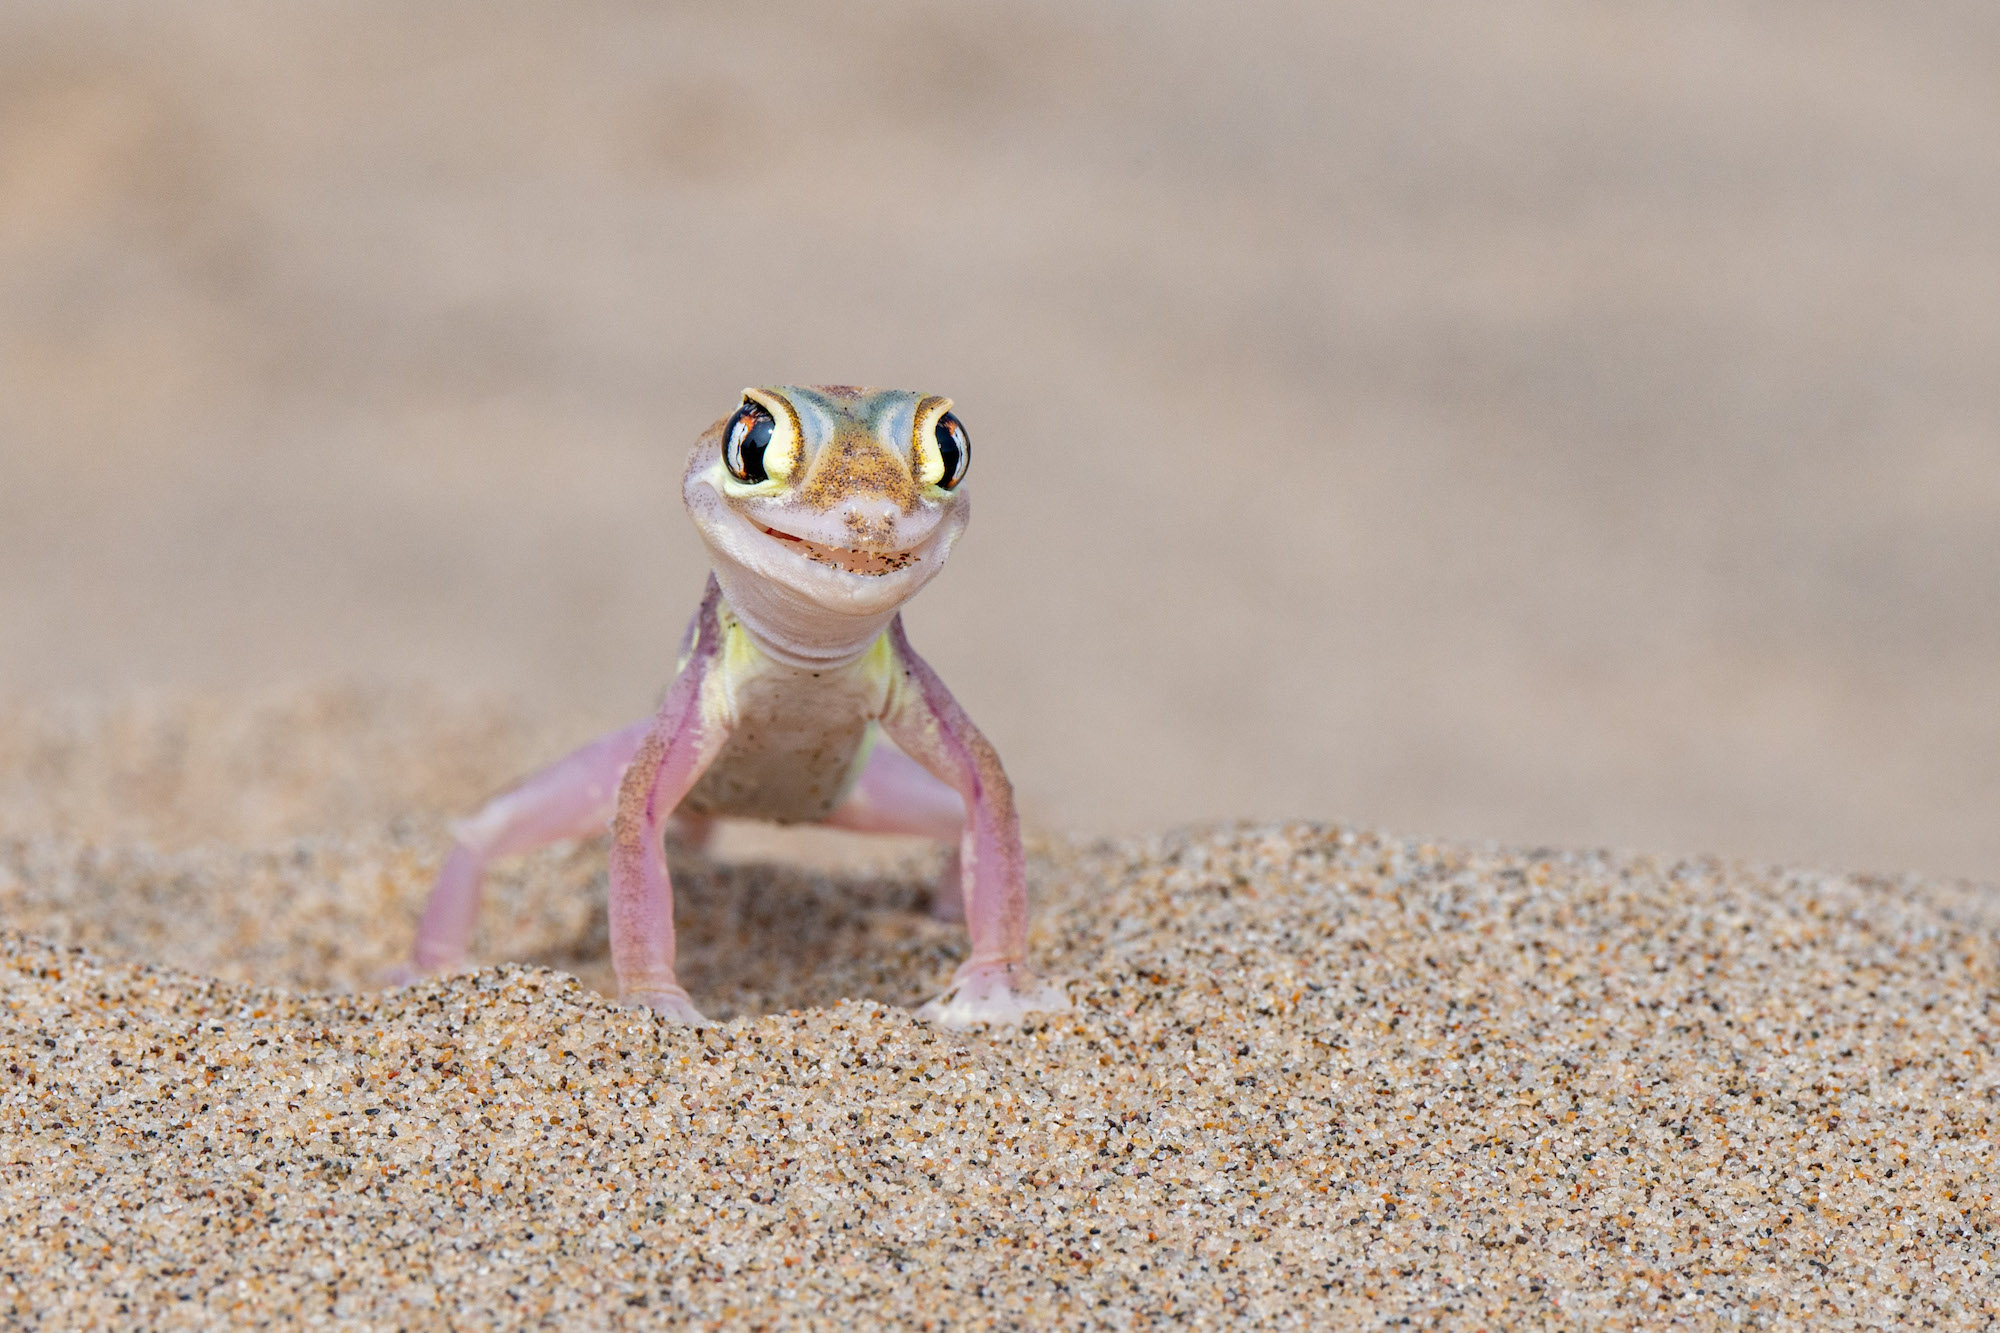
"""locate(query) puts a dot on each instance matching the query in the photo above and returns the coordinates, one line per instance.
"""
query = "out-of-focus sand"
(1546, 421)
(1316, 1076)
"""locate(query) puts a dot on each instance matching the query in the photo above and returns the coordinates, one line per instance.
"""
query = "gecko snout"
(870, 520)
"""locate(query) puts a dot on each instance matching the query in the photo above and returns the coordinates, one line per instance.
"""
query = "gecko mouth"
(873, 563)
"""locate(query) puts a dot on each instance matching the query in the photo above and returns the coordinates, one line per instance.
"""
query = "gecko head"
(847, 498)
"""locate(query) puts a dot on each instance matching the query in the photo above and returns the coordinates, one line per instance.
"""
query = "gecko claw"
(996, 993)
(671, 1004)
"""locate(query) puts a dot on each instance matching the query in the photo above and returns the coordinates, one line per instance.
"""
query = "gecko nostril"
(870, 520)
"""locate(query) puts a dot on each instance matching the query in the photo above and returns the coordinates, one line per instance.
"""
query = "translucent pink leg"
(896, 794)
(672, 755)
(994, 985)
(571, 798)
(677, 745)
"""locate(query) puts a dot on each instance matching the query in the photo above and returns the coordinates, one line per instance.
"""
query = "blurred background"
(1553, 422)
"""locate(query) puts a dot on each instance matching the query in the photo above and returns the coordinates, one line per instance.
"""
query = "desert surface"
(1414, 450)
(1316, 1076)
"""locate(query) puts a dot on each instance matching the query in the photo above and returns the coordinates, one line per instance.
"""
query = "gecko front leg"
(571, 798)
(995, 984)
(685, 737)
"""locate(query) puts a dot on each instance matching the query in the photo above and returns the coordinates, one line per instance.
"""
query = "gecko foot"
(412, 973)
(998, 993)
(671, 1004)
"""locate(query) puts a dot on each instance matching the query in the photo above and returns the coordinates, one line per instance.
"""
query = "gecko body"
(799, 736)
(824, 510)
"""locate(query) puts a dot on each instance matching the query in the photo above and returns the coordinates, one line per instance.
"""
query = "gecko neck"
(792, 630)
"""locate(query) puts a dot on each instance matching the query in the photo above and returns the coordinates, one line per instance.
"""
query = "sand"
(1316, 1076)
(1536, 420)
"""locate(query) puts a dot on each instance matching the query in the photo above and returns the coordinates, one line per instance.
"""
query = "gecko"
(797, 698)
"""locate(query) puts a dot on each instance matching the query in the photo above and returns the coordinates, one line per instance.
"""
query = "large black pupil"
(749, 436)
(948, 450)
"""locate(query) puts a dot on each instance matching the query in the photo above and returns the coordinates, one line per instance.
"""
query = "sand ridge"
(1315, 1074)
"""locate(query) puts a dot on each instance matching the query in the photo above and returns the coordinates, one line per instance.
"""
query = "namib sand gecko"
(824, 510)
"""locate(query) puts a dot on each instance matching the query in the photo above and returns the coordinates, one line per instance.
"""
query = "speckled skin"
(794, 665)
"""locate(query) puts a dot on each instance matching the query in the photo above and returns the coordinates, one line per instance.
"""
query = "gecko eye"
(744, 441)
(954, 448)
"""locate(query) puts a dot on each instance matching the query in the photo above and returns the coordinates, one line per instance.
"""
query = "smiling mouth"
(875, 563)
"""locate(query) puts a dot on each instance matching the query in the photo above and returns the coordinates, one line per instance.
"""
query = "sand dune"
(1316, 1075)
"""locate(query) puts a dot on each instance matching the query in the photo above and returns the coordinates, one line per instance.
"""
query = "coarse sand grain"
(1315, 1077)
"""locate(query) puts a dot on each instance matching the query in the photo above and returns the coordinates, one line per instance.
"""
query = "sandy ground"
(1316, 1076)
(1545, 421)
